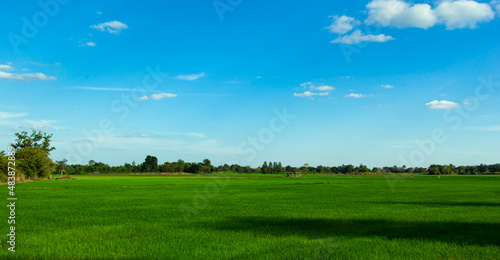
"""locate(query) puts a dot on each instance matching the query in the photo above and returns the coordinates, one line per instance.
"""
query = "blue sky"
(382, 82)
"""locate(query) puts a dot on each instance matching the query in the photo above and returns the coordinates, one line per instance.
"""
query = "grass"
(257, 216)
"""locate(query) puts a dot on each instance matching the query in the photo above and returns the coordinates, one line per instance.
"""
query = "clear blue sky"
(366, 81)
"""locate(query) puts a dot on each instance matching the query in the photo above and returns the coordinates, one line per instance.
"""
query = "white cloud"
(41, 125)
(113, 27)
(158, 96)
(443, 104)
(6, 67)
(25, 76)
(454, 14)
(396, 13)
(358, 37)
(99, 13)
(90, 44)
(192, 134)
(5, 115)
(310, 94)
(324, 88)
(355, 95)
(307, 84)
(468, 103)
(463, 13)
(199, 135)
(387, 86)
(311, 86)
(496, 4)
(191, 77)
(343, 24)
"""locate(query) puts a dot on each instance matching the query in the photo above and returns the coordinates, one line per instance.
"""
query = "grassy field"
(257, 216)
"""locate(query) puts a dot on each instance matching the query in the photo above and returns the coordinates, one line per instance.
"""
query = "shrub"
(34, 163)
(3, 168)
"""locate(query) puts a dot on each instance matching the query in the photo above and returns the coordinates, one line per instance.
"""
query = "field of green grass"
(257, 217)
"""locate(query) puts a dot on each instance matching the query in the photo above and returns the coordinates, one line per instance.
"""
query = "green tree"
(280, 168)
(362, 168)
(62, 165)
(3, 166)
(207, 162)
(264, 167)
(181, 166)
(37, 139)
(150, 164)
(34, 163)
(194, 168)
(434, 170)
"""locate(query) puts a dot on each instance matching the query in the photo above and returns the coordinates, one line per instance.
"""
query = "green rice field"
(256, 217)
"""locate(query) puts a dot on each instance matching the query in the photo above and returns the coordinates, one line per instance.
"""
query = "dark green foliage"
(37, 139)
(150, 164)
(34, 163)
(3, 167)
(275, 168)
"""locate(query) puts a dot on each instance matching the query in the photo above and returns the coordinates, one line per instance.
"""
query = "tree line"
(150, 165)
(32, 161)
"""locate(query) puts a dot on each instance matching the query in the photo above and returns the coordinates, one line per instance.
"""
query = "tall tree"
(264, 167)
(207, 162)
(150, 164)
(37, 139)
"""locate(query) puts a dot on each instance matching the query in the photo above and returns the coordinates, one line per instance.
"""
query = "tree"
(181, 166)
(207, 162)
(3, 167)
(434, 170)
(305, 168)
(363, 169)
(62, 165)
(194, 168)
(37, 139)
(264, 167)
(34, 163)
(280, 168)
(150, 164)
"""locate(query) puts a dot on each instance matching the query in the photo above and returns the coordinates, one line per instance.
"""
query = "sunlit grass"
(258, 216)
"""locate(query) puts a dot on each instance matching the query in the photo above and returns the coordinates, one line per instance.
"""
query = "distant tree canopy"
(150, 164)
(36, 139)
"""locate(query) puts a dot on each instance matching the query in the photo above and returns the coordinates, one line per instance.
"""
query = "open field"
(257, 216)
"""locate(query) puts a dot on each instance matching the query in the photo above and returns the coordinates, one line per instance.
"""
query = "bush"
(34, 163)
(3, 168)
